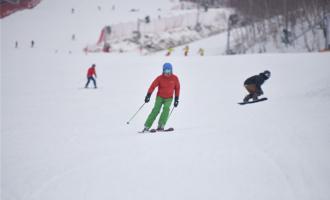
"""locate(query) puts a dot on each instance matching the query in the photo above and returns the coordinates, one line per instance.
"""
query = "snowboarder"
(167, 84)
(253, 85)
(91, 73)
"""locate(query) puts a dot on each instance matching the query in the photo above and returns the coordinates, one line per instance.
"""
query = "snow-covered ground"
(213, 46)
(59, 141)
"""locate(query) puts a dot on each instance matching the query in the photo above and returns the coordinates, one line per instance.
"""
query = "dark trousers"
(254, 92)
(88, 80)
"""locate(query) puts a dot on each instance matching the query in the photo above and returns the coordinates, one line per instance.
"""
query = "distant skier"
(168, 84)
(169, 51)
(32, 43)
(186, 50)
(253, 85)
(91, 73)
(201, 51)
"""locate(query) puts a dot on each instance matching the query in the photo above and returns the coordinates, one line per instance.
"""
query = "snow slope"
(63, 142)
(213, 46)
(59, 141)
(51, 24)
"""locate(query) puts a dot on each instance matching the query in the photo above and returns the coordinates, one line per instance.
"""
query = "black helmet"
(267, 73)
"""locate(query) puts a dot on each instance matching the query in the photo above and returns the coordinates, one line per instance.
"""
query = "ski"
(169, 129)
(149, 131)
(155, 130)
(165, 130)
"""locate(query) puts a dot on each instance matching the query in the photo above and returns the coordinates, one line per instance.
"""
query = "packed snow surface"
(61, 141)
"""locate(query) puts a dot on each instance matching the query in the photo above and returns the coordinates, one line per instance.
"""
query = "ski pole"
(170, 113)
(135, 114)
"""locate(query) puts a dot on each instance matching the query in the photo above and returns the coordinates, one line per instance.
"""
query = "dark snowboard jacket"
(257, 80)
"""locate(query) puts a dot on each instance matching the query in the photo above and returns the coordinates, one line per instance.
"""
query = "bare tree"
(271, 17)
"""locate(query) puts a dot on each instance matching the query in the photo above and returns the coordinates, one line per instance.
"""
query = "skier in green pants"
(168, 84)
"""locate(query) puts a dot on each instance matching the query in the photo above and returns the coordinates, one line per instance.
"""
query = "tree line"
(261, 20)
(290, 9)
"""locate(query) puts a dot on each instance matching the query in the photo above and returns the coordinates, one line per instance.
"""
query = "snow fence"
(215, 19)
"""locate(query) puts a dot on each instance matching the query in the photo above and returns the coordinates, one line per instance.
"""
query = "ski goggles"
(167, 71)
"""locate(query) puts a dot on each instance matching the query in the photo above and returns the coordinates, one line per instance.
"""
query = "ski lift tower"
(138, 34)
(232, 21)
(327, 24)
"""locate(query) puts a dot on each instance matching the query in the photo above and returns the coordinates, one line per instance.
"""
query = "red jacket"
(91, 72)
(167, 85)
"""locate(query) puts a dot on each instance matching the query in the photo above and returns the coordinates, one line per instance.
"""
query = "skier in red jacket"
(168, 84)
(91, 73)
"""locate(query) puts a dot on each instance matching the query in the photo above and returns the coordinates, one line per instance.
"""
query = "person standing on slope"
(168, 84)
(169, 51)
(253, 85)
(201, 51)
(91, 73)
(186, 50)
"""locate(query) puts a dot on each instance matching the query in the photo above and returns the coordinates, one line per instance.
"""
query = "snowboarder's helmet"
(167, 68)
(267, 73)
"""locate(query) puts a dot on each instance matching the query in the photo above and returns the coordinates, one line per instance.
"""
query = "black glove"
(176, 101)
(147, 99)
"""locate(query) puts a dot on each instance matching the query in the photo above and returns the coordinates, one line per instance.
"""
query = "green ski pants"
(155, 111)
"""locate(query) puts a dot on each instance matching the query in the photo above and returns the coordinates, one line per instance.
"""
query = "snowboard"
(249, 102)
(154, 130)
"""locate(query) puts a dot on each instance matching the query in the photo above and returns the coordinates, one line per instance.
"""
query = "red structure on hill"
(10, 6)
